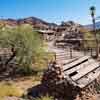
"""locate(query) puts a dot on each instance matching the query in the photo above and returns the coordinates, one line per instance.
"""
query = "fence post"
(71, 52)
(55, 56)
(91, 51)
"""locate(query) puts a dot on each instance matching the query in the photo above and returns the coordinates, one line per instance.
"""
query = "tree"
(23, 42)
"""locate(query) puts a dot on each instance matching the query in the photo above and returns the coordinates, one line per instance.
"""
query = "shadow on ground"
(68, 93)
(37, 91)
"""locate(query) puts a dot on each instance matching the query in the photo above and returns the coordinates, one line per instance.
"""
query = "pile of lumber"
(67, 80)
(57, 84)
(53, 74)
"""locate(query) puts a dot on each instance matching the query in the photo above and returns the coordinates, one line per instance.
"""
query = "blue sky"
(50, 10)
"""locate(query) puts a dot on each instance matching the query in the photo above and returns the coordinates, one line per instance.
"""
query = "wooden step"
(86, 70)
(89, 78)
(64, 62)
(60, 59)
(61, 56)
(70, 61)
(76, 63)
(83, 65)
(65, 56)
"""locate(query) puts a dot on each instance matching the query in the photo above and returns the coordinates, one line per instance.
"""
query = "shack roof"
(46, 31)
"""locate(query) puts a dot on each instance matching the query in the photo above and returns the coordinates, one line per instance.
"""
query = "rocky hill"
(39, 23)
(35, 22)
(90, 26)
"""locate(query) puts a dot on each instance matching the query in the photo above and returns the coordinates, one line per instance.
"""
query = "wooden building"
(47, 35)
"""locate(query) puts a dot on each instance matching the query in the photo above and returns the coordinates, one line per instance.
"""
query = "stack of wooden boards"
(82, 70)
(68, 79)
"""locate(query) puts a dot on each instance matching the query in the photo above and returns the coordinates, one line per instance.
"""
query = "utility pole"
(92, 9)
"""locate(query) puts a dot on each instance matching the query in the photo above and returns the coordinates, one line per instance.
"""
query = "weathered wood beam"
(89, 78)
(76, 63)
(81, 66)
(82, 72)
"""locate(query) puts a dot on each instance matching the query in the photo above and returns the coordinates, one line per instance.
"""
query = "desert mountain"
(67, 29)
(90, 26)
(35, 22)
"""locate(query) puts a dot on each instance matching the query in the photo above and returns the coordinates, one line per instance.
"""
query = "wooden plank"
(85, 71)
(89, 78)
(70, 61)
(83, 65)
(75, 63)
(62, 56)
(66, 56)
(67, 61)
(60, 59)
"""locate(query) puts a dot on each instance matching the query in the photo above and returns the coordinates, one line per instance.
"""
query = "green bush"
(25, 71)
(27, 48)
(23, 42)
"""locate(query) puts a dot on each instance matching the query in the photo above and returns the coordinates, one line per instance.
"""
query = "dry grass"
(45, 98)
(8, 89)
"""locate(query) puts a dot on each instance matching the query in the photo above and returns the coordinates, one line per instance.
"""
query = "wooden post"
(91, 51)
(55, 56)
(84, 49)
(71, 52)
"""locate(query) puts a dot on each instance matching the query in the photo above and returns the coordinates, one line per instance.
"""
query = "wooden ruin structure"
(73, 74)
(68, 79)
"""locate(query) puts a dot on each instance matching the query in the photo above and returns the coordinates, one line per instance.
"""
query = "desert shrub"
(24, 43)
(88, 36)
(25, 71)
